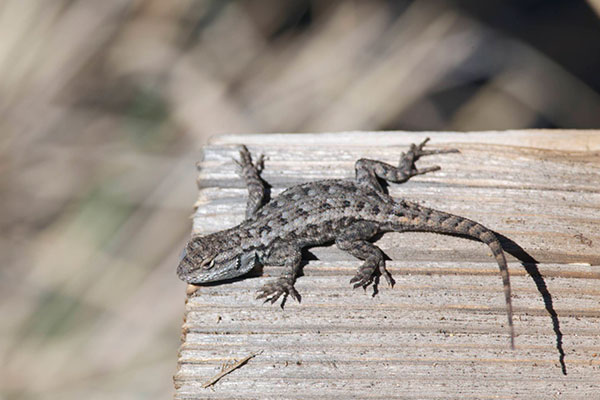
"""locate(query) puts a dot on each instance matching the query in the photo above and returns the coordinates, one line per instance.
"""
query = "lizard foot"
(275, 289)
(245, 163)
(418, 152)
(367, 273)
(407, 161)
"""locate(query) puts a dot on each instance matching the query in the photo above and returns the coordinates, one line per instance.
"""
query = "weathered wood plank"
(440, 331)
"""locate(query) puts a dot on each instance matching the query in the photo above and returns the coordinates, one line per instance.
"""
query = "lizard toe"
(272, 291)
(388, 277)
(361, 281)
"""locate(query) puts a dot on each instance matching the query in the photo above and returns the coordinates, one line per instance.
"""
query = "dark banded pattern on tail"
(486, 236)
(429, 220)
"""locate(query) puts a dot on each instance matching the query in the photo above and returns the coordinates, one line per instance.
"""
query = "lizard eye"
(208, 263)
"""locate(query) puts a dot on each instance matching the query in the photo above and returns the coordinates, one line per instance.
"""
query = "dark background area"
(104, 106)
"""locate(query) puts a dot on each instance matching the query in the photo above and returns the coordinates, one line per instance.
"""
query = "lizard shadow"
(531, 266)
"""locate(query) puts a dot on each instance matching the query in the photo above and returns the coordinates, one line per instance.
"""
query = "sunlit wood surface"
(440, 332)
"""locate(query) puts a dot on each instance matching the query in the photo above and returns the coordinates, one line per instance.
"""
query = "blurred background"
(104, 106)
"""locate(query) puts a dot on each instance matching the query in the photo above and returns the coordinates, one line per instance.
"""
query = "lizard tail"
(429, 220)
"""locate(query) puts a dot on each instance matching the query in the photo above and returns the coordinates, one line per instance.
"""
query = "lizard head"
(211, 258)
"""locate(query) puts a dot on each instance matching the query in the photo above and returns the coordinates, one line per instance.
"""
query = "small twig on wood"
(235, 366)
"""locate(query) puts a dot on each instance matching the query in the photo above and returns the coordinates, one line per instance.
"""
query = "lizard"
(349, 212)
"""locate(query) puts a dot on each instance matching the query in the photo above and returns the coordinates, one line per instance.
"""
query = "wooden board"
(440, 332)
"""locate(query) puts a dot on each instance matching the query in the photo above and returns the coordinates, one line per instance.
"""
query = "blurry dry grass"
(105, 104)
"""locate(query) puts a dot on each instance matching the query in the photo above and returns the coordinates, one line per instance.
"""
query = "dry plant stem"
(235, 366)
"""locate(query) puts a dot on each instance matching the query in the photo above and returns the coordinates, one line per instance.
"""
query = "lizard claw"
(388, 277)
(367, 275)
(272, 291)
(260, 163)
(361, 280)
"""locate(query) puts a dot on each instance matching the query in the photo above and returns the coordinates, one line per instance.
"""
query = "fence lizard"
(347, 212)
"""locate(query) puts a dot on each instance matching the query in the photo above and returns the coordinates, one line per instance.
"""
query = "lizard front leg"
(354, 241)
(250, 172)
(369, 171)
(290, 257)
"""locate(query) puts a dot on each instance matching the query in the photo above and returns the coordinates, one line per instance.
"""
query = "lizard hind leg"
(369, 171)
(354, 241)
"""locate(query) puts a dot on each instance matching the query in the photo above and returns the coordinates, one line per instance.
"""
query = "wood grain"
(440, 332)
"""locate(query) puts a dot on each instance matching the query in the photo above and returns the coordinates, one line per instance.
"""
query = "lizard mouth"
(185, 269)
